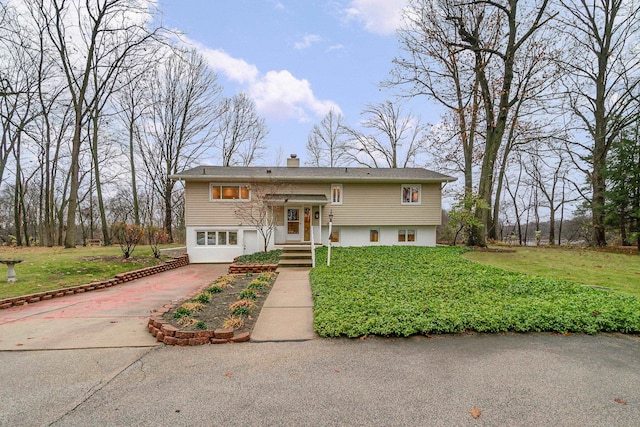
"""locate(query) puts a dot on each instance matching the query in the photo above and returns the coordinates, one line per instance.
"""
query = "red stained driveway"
(111, 317)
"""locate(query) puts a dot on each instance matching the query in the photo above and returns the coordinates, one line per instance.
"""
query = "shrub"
(243, 303)
(233, 322)
(187, 321)
(201, 325)
(156, 236)
(192, 307)
(271, 257)
(247, 294)
(256, 285)
(241, 311)
(128, 236)
(203, 298)
(181, 312)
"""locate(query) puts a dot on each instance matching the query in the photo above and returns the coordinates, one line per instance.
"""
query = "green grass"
(45, 269)
(401, 291)
(271, 257)
(617, 271)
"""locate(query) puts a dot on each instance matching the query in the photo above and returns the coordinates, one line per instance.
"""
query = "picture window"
(216, 238)
(230, 192)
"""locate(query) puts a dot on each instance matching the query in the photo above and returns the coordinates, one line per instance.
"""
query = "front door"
(307, 224)
(293, 224)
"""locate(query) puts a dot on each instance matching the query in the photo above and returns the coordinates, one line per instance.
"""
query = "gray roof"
(320, 199)
(310, 174)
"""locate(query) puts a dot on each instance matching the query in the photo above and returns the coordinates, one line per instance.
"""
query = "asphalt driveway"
(111, 317)
(513, 380)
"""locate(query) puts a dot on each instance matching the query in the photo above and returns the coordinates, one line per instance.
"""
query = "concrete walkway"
(111, 317)
(287, 314)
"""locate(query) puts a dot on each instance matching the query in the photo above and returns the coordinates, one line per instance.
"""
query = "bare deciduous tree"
(184, 96)
(258, 212)
(241, 131)
(602, 84)
(87, 37)
(327, 143)
(490, 38)
(395, 140)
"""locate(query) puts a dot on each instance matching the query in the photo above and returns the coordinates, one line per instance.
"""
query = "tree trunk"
(168, 211)
(16, 200)
(106, 239)
(74, 185)
(132, 163)
(597, 208)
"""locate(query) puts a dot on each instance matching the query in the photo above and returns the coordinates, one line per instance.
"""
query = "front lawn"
(45, 269)
(402, 290)
(618, 271)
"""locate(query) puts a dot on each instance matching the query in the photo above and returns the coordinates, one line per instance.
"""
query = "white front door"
(293, 224)
(251, 243)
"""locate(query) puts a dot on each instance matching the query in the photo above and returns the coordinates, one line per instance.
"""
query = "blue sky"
(296, 59)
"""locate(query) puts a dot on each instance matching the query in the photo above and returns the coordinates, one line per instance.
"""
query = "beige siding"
(380, 204)
(201, 211)
(363, 204)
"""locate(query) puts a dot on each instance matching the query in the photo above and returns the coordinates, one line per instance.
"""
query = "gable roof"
(310, 174)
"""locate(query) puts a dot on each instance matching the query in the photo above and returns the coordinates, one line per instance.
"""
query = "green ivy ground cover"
(401, 291)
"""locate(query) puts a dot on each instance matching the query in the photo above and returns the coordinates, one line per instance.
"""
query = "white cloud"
(307, 41)
(282, 96)
(381, 17)
(278, 94)
(335, 47)
(237, 70)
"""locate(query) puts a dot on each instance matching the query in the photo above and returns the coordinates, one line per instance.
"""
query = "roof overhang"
(283, 175)
(296, 199)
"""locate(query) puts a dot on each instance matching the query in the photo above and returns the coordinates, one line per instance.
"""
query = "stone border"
(170, 335)
(177, 262)
(252, 268)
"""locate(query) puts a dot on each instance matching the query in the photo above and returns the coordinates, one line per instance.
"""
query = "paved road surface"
(519, 380)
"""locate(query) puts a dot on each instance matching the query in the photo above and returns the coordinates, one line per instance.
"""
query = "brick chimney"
(293, 161)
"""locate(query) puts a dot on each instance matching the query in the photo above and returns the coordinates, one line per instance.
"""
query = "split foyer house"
(367, 206)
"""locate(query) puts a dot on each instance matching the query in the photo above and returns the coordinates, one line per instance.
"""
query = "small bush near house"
(271, 257)
(128, 236)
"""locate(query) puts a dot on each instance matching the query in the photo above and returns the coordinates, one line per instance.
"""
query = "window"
(335, 236)
(336, 194)
(406, 235)
(411, 194)
(230, 192)
(216, 238)
(374, 235)
(293, 221)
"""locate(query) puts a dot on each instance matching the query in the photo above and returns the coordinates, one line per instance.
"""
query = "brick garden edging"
(170, 335)
(120, 278)
(251, 268)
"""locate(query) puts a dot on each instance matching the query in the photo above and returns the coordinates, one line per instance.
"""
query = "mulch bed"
(217, 311)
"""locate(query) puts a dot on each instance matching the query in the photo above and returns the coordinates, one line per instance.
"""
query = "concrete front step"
(296, 255)
(295, 263)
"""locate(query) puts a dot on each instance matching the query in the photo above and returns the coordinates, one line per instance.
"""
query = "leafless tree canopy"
(327, 141)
